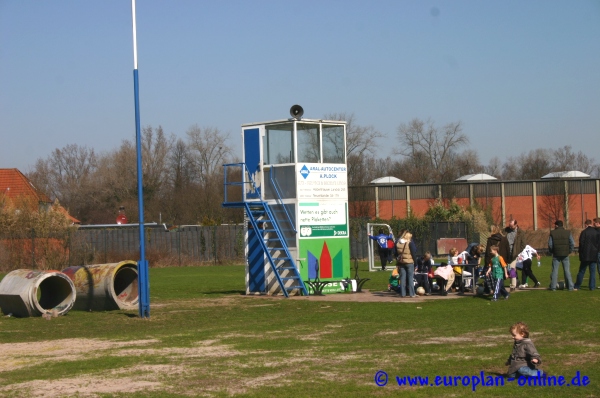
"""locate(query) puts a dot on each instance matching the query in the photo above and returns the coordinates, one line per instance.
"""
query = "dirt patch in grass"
(249, 335)
(366, 296)
(473, 339)
(577, 360)
(201, 303)
(272, 379)
(87, 386)
(203, 349)
(18, 355)
(396, 332)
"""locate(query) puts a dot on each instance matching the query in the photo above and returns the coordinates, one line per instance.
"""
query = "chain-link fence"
(191, 245)
(426, 240)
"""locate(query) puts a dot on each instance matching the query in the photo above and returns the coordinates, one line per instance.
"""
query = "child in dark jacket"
(524, 357)
(423, 268)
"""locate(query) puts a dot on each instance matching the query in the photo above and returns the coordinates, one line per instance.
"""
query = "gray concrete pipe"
(102, 287)
(26, 293)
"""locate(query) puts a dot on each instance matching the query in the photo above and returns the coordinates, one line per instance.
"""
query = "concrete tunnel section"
(25, 293)
(105, 287)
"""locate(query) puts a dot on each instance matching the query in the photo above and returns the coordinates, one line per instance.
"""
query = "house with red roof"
(14, 186)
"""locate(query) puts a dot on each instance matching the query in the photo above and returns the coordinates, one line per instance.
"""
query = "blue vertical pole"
(143, 284)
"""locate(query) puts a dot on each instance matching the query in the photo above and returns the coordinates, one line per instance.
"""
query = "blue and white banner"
(322, 181)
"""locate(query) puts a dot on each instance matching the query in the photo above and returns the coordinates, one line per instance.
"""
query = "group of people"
(561, 244)
(505, 252)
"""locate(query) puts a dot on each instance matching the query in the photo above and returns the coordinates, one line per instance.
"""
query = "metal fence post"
(214, 243)
(178, 232)
(32, 248)
(436, 237)
(105, 245)
(69, 246)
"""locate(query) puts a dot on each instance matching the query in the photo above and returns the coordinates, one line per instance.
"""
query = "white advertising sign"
(322, 181)
(326, 219)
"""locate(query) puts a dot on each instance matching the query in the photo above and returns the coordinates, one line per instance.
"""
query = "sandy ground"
(190, 363)
(367, 296)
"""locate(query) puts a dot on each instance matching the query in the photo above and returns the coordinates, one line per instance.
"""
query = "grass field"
(205, 339)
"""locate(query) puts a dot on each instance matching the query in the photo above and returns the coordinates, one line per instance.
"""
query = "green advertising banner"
(326, 219)
(328, 258)
(322, 219)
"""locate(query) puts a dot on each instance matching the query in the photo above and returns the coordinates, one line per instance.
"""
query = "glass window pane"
(309, 148)
(333, 144)
(278, 145)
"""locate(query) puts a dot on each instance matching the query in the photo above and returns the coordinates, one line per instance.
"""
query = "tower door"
(252, 158)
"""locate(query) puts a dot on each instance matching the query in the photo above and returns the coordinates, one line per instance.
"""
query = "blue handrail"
(259, 205)
(278, 196)
(241, 183)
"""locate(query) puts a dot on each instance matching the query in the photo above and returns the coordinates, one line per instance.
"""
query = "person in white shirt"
(525, 258)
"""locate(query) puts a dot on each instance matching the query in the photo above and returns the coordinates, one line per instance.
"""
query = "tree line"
(431, 154)
(183, 177)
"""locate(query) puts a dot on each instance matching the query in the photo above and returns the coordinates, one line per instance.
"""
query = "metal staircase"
(272, 244)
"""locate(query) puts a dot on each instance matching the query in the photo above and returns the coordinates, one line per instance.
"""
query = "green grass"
(204, 338)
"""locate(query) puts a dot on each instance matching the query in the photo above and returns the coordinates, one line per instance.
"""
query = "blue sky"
(518, 74)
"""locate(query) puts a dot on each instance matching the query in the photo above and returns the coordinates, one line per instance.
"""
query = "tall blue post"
(143, 284)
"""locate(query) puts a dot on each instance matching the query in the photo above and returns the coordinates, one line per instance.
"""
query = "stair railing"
(280, 199)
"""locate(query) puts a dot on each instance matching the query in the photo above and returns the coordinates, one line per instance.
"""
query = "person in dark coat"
(589, 243)
(560, 244)
(597, 228)
(423, 268)
(496, 239)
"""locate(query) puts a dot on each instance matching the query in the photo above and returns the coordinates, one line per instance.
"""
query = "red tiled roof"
(70, 217)
(14, 184)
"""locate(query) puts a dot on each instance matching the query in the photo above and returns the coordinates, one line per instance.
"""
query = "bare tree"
(180, 170)
(420, 139)
(360, 139)
(528, 166)
(566, 160)
(539, 162)
(494, 167)
(467, 162)
(415, 169)
(155, 156)
(555, 200)
(66, 175)
(361, 142)
(208, 150)
(115, 182)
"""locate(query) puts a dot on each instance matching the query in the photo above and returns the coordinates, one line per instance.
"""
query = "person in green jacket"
(498, 271)
(394, 282)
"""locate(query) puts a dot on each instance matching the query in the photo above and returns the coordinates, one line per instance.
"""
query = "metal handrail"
(241, 183)
(278, 196)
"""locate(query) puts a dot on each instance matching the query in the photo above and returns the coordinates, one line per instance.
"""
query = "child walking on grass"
(524, 357)
(498, 272)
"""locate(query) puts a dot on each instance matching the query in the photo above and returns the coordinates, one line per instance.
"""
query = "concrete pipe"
(26, 293)
(104, 287)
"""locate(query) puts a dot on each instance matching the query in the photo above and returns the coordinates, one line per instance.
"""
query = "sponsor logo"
(304, 171)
